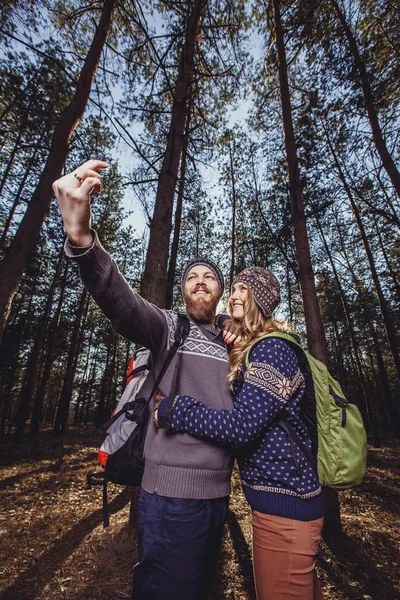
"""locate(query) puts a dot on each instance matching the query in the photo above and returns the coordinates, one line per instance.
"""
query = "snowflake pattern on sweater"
(273, 384)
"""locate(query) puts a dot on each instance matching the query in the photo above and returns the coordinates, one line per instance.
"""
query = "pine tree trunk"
(15, 149)
(372, 423)
(154, 283)
(66, 392)
(387, 395)
(84, 383)
(177, 221)
(51, 340)
(233, 225)
(26, 237)
(17, 198)
(33, 359)
(387, 160)
(282, 247)
(315, 330)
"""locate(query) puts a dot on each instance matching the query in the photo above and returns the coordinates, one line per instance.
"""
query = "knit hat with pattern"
(264, 286)
(206, 262)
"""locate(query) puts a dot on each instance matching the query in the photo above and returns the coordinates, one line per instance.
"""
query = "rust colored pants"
(284, 553)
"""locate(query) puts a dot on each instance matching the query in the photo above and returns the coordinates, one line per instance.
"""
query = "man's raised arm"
(130, 315)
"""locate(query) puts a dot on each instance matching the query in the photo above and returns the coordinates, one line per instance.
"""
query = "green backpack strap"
(288, 337)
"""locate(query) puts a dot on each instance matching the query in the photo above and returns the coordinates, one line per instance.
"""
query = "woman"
(282, 490)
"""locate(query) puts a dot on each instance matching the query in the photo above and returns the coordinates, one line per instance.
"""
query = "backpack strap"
(294, 438)
(291, 338)
(181, 333)
(138, 370)
(101, 479)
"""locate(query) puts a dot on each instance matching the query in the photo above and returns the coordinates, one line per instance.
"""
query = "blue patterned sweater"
(272, 481)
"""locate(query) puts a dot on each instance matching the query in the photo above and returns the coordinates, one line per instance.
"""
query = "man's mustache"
(202, 287)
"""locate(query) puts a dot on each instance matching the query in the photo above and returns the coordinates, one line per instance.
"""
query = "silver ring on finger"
(78, 177)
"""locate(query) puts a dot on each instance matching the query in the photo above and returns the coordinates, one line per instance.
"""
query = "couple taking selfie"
(224, 405)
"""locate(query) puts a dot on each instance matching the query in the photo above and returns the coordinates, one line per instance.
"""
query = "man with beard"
(186, 484)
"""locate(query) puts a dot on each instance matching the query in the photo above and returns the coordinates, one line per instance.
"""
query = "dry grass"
(53, 545)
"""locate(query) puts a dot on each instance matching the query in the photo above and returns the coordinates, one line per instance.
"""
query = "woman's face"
(239, 293)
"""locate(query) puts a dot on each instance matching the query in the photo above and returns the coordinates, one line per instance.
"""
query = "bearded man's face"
(201, 294)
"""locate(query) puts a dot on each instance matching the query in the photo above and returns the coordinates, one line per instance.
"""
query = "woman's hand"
(231, 332)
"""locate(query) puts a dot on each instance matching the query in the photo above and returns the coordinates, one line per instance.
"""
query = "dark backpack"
(121, 454)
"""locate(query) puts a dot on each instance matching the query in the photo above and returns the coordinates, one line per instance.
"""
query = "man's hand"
(73, 196)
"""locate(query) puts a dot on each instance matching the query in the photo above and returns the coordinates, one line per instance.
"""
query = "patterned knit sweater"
(272, 481)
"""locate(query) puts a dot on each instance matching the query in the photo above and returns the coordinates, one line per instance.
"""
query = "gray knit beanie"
(264, 286)
(206, 262)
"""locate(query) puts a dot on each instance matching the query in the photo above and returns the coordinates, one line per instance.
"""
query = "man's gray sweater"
(176, 465)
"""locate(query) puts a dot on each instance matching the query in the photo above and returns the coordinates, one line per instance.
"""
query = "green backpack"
(338, 438)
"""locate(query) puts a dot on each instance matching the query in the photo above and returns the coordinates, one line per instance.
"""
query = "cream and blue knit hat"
(264, 286)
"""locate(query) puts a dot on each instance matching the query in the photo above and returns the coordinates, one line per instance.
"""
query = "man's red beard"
(200, 308)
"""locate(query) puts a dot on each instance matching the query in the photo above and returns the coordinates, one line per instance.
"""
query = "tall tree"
(315, 330)
(154, 283)
(26, 237)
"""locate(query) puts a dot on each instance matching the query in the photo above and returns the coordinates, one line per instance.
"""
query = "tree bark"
(315, 331)
(26, 237)
(51, 340)
(33, 359)
(177, 222)
(15, 149)
(233, 225)
(17, 198)
(66, 392)
(373, 425)
(154, 282)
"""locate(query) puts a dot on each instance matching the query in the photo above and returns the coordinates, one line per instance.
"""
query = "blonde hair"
(253, 325)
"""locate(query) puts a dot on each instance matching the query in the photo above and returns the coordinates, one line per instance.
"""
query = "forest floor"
(53, 545)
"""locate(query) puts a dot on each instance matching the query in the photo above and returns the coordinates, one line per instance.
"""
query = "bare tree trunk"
(386, 392)
(277, 240)
(17, 198)
(387, 397)
(233, 226)
(373, 425)
(26, 237)
(154, 283)
(387, 160)
(15, 149)
(177, 222)
(33, 359)
(66, 392)
(84, 383)
(315, 330)
(41, 388)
